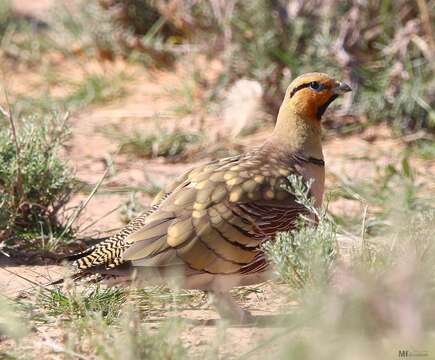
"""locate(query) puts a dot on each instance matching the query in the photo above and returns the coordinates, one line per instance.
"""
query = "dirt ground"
(90, 148)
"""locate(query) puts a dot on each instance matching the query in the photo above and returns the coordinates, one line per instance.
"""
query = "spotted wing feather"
(213, 219)
(216, 220)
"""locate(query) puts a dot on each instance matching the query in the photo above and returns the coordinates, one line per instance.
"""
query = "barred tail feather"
(109, 251)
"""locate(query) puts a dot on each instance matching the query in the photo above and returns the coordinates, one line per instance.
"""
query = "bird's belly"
(222, 283)
(187, 278)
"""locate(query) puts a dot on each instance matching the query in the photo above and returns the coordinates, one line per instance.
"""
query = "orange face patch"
(311, 94)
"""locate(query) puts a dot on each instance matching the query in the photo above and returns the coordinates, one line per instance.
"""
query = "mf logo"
(403, 353)
(412, 353)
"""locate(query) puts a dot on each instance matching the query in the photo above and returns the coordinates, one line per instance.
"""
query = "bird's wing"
(108, 252)
(216, 219)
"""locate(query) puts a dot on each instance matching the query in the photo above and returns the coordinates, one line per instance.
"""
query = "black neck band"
(302, 158)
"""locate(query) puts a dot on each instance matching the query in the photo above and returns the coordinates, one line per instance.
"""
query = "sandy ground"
(17, 278)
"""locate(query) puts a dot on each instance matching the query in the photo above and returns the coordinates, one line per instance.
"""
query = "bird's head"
(309, 95)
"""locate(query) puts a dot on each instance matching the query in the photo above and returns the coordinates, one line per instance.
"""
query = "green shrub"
(304, 257)
(35, 183)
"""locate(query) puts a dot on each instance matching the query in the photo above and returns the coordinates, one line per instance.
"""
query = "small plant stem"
(363, 231)
(100, 218)
(74, 217)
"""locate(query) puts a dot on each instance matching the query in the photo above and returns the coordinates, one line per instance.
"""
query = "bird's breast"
(317, 173)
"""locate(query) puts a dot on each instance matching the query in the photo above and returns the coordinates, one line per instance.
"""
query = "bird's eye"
(314, 85)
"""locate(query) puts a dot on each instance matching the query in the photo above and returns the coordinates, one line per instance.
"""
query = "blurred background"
(384, 49)
(103, 102)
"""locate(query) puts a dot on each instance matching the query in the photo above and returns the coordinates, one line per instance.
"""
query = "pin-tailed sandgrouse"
(208, 226)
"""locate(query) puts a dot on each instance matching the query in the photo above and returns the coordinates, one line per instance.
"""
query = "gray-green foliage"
(304, 257)
(370, 311)
(379, 295)
(36, 184)
(416, 234)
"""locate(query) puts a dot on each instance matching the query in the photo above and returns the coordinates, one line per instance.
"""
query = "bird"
(208, 227)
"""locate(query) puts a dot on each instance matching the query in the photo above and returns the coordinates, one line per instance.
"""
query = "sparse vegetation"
(381, 195)
(106, 323)
(92, 89)
(94, 326)
(130, 340)
(74, 303)
(165, 144)
(359, 296)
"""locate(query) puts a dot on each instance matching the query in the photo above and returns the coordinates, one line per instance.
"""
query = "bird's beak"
(341, 88)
